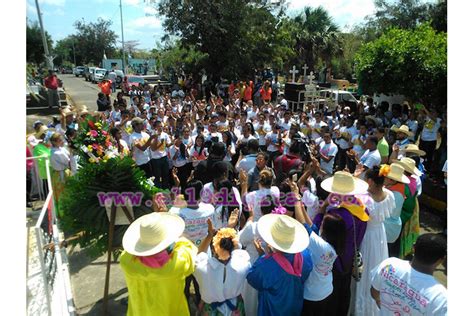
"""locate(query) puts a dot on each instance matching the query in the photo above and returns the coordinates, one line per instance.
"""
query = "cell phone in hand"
(294, 177)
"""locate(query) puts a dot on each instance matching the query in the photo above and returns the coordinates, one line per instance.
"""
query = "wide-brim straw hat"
(412, 148)
(67, 112)
(152, 233)
(42, 130)
(396, 173)
(409, 165)
(283, 233)
(403, 129)
(344, 183)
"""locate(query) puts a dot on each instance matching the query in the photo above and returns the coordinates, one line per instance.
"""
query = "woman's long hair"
(334, 232)
(201, 137)
(224, 187)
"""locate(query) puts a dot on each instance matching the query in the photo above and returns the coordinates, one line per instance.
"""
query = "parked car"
(88, 73)
(119, 78)
(132, 81)
(66, 70)
(98, 74)
(79, 71)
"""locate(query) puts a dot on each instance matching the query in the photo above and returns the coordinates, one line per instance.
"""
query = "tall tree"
(408, 62)
(64, 50)
(317, 37)
(236, 35)
(34, 43)
(94, 39)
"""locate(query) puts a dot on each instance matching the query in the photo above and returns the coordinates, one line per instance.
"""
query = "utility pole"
(74, 53)
(123, 42)
(49, 58)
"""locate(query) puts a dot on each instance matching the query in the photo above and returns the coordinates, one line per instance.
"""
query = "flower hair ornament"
(384, 170)
(279, 210)
(223, 233)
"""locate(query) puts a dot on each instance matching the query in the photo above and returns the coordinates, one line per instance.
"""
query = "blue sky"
(141, 24)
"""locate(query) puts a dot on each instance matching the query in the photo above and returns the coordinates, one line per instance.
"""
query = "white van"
(98, 75)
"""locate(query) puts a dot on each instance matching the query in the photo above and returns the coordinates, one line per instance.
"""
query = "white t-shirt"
(244, 139)
(430, 130)
(318, 286)
(285, 126)
(328, 150)
(342, 142)
(273, 146)
(315, 125)
(358, 144)
(311, 202)
(262, 130)
(141, 157)
(195, 221)
(405, 291)
(247, 163)
(161, 151)
(370, 159)
(254, 199)
(180, 160)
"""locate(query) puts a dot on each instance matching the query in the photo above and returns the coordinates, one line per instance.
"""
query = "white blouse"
(59, 158)
(219, 282)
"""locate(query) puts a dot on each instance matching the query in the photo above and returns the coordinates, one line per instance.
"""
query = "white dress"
(374, 250)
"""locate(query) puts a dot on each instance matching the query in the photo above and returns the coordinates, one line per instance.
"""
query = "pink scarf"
(285, 264)
(157, 260)
(412, 185)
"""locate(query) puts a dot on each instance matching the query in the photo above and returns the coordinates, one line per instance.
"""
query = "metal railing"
(53, 260)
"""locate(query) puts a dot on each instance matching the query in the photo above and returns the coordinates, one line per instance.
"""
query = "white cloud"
(343, 12)
(149, 10)
(31, 9)
(145, 22)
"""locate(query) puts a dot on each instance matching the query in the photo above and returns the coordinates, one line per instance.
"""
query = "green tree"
(34, 43)
(408, 62)
(64, 50)
(236, 35)
(94, 39)
(317, 37)
(343, 65)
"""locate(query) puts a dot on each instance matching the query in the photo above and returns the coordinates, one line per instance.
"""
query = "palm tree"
(317, 37)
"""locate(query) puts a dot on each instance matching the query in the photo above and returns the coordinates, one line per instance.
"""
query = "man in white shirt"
(327, 153)
(113, 77)
(262, 128)
(344, 137)
(140, 143)
(429, 135)
(369, 159)
(249, 161)
(159, 156)
(285, 124)
(401, 287)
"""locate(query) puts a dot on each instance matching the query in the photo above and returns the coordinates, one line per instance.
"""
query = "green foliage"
(82, 211)
(408, 62)
(174, 56)
(93, 40)
(64, 50)
(236, 35)
(34, 43)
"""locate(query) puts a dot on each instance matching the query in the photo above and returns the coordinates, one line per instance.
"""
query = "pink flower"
(279, 210)
(94, 133)
(104, 133)
(95, 146)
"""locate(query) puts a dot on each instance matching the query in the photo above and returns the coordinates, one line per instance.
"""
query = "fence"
(54, 296)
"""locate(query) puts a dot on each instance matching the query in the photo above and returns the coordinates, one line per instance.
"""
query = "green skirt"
(240, 311)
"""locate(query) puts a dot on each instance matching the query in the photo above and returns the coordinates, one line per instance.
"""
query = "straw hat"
(283, 233)
(409, 165)
(403, 129)
(42, 130)
(152, 233)
(412, 148)
(345, 184)
(82, 112)
(67, 112)
(396, 173)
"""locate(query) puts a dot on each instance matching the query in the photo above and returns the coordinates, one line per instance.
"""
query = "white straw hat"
(152, 233)
(283, 233)
(412, 148)
(396, 173)
(344, 183)
(409, 165)
(403, 129)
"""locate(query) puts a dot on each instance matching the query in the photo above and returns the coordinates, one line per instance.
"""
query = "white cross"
(294, 72)
(311, 77)
(305, 67)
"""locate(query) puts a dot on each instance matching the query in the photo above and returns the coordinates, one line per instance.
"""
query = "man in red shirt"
(52, 82)
(105, 87)
(285, 163)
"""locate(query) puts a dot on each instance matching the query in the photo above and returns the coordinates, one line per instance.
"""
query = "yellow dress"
(159, 291)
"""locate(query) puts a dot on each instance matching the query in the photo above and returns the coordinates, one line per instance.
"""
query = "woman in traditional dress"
(411, 227)
(61, 168)
(221, 275)
(380, 203)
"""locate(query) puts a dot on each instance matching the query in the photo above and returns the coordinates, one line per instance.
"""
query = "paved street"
(87, 274)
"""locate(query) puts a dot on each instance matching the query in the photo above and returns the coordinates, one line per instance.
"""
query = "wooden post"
(113, 213)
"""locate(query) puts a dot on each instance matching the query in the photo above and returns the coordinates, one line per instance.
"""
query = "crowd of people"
(276, 211)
